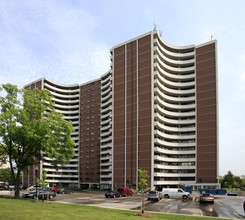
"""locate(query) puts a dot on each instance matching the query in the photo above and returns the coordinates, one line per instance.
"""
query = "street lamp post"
(36, 168)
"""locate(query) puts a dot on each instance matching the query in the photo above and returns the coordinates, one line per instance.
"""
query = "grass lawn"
(28, 209)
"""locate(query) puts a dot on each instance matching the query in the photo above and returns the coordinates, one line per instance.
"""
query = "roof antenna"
(211, 37)
(160, 32)
(155, 26)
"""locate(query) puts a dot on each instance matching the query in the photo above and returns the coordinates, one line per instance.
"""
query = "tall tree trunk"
(142, 204)
(17, 186)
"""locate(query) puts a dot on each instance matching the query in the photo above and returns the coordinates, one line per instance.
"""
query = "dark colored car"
(41, 194)
(206, 197)
(64, 191)
(45, 194)
(30, 194)
(112, 194)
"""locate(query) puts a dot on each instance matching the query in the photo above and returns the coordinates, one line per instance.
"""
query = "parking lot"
(223, 206)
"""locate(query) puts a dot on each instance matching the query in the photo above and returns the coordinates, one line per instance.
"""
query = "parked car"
(244, 205)
(64, 191)
(125, 191)
(49, 189)
(4, 187)
(11, 187)
(174, 193)
(41, 193)
(55, 188)
(231, 193)
(112, 194)
(23, 187)
(30, 194)
(45, 194)
(206, 197)
(154, 195)
(31, 187)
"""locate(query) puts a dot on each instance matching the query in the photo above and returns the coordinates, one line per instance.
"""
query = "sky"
(69, 42)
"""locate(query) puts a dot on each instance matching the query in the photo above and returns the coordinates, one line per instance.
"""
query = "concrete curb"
(4, 192)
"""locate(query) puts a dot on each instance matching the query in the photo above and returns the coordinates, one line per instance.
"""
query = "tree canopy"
(31, 129)
(230, 181)
(142, 186)
(5, 176)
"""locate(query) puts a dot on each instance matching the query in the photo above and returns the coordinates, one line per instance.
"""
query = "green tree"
(30, 129)
(220, 179)
(243, 180)
(42, 182)
(5, 175)
(227, 180)
(231, 181)
(142, 187)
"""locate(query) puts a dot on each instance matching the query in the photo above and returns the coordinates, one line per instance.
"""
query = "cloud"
(50, 39)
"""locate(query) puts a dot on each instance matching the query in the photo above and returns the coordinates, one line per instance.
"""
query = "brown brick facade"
(206, 114)
(90, 133)
(129, 66)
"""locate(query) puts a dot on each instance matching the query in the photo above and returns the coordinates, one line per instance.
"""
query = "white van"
(174, 193)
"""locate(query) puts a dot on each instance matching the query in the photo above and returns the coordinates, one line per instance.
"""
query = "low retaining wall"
(241, 193)
(4, 192)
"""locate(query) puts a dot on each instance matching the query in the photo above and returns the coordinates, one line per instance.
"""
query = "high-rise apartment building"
(155, 109)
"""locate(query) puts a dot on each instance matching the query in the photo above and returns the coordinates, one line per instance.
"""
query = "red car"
(55, 189)
(125, 191)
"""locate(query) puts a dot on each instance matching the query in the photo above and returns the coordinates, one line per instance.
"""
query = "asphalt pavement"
(224, 206)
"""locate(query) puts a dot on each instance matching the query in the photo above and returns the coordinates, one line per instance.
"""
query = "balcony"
(174, 144)
(103, 134)
(65, 101)
(161, 126)
(71, 117)
(105, 182)
(105, 110)
(159, 100)
(174, 182)
(62, 175)
(106, 139)
(105, 121)
(173, 54)
(68, 90)
(172, 61)
(174, 174)
(175, 114)
(174, 136)
(169, 159)
(163, 119)
(108, 145)
(106, 116)
(174, 152)
(163, 67)
(172, 99)
(170, 83)
(167, 167)
(62, 96)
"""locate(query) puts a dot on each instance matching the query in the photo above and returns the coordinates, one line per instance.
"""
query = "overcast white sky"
(69, 41)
